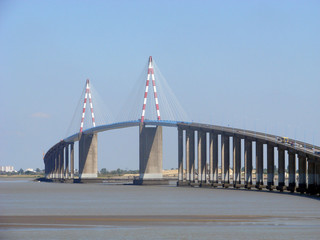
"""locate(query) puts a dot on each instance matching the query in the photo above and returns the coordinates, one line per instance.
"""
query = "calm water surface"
(284, 216)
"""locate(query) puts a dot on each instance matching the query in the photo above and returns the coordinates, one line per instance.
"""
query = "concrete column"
(259, 163)
(317, 177)
(187, 155)
(180, 154)
(281, 168)
(55, 167)
(270, 165)
(225, 159)
(150, 145)
(292, 171)
(61, 162)
(58, 169)
(55, 171)
(302, 174)
(88, 156)
(202, 161)
(45, 167)
(51, 165)
(190, 154)
(48, 166)
(248, 162)
(66, 173)
(311, 176)
(236, 160)
(214, 174)
(72, 160)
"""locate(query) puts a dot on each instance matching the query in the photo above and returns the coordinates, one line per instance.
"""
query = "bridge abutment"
(150, 152)
(88, 156)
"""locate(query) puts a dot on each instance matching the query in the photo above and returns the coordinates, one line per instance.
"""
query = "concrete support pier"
(72, 160)
(236, 161)
(225, 160)
(54, 165)
(248, 162)
(62, 163)
(259, 164)
(292, 172)
(281, 169)
(66, 172)
(88, 156)
(302, 174)
(202, 154)
(311, 176)
(317, 177)
(180, 155)
(190, 154)
(150, 152)
(58, 175)
(214, 174)
(270, 166)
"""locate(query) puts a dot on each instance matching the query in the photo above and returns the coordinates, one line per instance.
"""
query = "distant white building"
(29, 170)
(6, 169)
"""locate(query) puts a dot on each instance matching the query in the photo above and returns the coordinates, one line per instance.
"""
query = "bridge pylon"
(150, 138)
(88, 143)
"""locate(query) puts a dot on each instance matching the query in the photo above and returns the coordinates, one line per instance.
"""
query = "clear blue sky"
(248, 64)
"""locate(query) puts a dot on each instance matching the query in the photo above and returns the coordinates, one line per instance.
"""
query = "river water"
(106, 211)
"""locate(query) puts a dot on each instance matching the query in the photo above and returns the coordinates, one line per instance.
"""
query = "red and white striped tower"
(88, 94)
(150, 72)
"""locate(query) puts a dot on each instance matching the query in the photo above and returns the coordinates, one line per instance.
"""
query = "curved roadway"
(311, 151)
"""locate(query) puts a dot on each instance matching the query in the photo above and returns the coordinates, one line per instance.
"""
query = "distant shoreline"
(21, 176)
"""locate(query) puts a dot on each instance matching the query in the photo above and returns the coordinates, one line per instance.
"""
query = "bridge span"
(194, 141)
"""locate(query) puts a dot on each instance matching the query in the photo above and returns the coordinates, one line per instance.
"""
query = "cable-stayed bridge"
(199, 163)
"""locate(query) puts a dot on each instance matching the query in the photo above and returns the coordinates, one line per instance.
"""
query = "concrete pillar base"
(150, 182)
(88, 175)
(150, 152)
(291, 187)
(88, 156)
(312, 189)
(302, 188)
(150, 175)
(270, 184)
